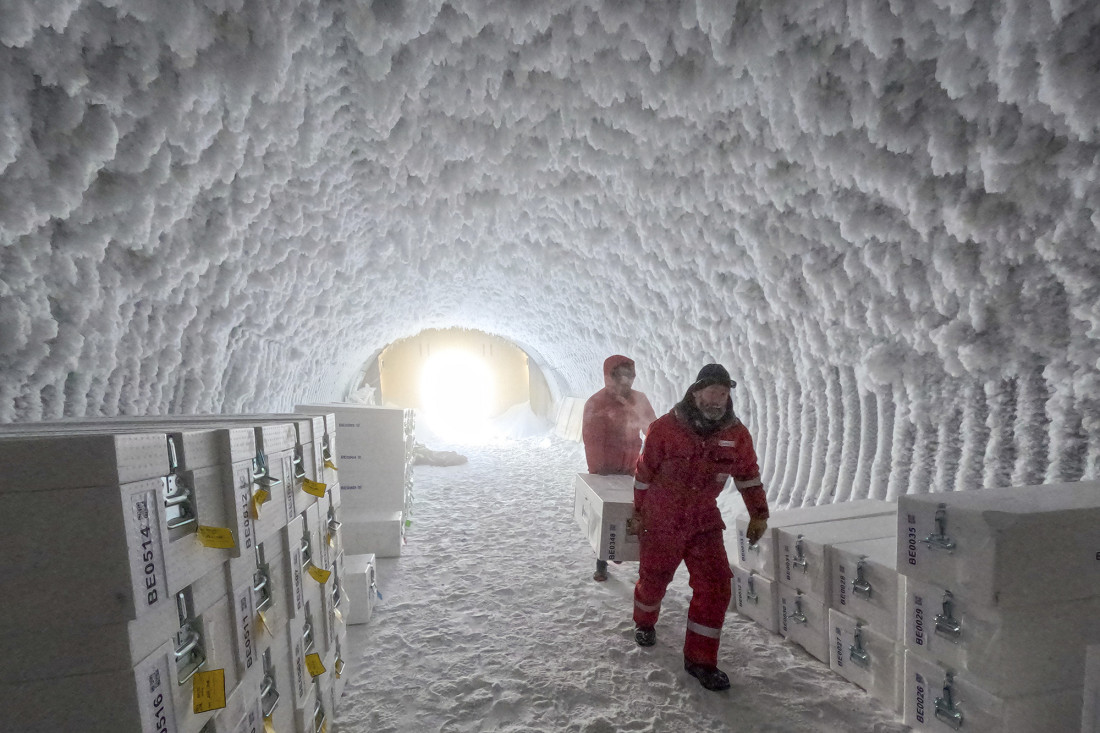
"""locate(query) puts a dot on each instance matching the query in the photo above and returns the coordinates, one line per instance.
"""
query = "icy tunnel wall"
(881, 214)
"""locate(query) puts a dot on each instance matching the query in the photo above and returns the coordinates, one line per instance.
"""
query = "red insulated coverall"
(611, 423)
(677, 483)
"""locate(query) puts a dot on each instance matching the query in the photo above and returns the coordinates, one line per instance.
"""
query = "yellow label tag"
(339, 616)
(330, 464)
(209, 691)
(262, 617)
(331, 542)
(269, 726)
(314, 487)
(321, 576)
(260, 498)
(338, 667)
(324, 727)
(314, 664)
(217, 537)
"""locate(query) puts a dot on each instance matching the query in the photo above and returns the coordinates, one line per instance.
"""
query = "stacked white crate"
(796, 581)
(865, 617)
(805, 589)
(755, 566)
(374, 461)
(1002, 599)
(601, 507)
(85, 508)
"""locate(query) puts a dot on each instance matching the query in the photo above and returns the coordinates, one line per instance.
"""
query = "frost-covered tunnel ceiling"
(881, 214)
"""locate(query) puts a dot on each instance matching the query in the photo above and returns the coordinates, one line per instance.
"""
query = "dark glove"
(634, 525)
(755, 530)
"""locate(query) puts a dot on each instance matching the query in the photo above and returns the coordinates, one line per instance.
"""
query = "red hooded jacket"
(682, 473)
(611, 425)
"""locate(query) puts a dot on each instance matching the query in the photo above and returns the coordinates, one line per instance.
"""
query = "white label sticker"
(242, 505)
(154, 695)
(289, 492)
(146, 551)
(298, 601)
(244, 610)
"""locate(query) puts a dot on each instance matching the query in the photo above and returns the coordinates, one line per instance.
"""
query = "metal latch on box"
(946, 712)
(299, 463)
(337, 591)
(269, 694)
(189, 653)
(307, 631)
(856, 652)
(179, 508)
(947, 625)
(860, 586)
(939, 540)
(260, 473)
(751, 594)
(800, 558)
(318, 715)
(798, 616)
(334, 524)
(307, 549)
(261, 581)
(178, 496)
(326, 452)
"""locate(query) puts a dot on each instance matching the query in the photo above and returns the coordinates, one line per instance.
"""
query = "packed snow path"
(490, 621)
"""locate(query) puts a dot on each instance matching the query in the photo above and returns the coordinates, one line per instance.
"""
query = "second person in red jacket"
(614, 420)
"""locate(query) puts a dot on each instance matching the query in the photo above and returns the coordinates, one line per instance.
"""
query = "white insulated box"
(939, 699)
(361, 586)
(1090, 709)
(1009, 651)
(803, 548)
(866, 658)
(601, 506)
(39, 651)
(761, 557)
(866, 584)
(44, 462)
(373, 454)
(1005, 547)
(139, 699)
(45, 537)
(378, 533)
(756, 597)
(805, 621)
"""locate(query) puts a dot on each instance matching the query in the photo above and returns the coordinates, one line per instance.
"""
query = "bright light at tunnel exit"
(456, 396)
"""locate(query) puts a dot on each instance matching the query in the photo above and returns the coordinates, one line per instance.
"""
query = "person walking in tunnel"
(614, 420)
(689, 455)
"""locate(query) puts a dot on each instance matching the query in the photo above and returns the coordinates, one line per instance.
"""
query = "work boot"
(645, 635)
(709, 677)
(601, 571)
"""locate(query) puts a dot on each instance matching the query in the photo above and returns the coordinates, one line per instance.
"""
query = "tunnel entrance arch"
(395, 374)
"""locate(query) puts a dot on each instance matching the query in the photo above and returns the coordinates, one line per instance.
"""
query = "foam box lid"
(1007, 547)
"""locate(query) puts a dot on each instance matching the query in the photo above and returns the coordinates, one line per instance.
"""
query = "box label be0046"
(146, 551)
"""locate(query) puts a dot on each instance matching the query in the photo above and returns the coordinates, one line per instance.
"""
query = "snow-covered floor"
(490, 621)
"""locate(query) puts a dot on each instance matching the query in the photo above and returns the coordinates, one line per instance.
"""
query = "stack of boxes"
(796, 579)
(975, 611)
(170, 574)
(1002, 600)
(375, 459)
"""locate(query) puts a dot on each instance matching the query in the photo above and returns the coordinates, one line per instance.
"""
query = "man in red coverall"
(614, 419)
(689, 455)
